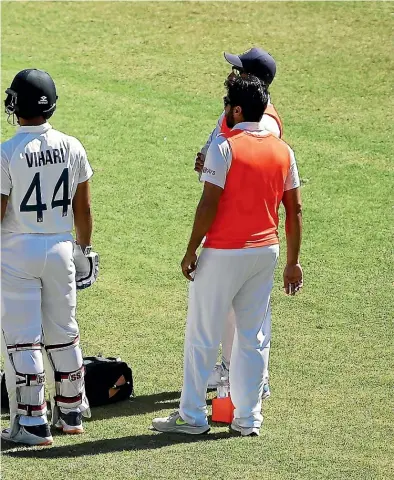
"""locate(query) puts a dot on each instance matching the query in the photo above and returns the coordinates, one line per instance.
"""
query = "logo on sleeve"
(208, 171)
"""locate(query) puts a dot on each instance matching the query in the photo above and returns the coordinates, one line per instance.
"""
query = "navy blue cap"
(256, 61)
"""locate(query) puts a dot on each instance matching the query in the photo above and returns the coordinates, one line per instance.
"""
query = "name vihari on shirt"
(38, 159)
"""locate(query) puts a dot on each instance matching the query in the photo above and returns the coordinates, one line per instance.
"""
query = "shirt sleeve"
(85, 171)
(269, 123)
(215, 132)
(217, 162)
(292, 179)
(6, 182)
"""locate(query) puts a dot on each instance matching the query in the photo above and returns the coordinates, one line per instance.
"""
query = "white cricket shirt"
(219, 157)
(40, 171)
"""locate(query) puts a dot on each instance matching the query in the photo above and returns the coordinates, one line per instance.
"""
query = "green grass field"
(141, 85)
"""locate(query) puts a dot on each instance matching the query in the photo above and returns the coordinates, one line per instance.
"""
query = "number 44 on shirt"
(39, 206)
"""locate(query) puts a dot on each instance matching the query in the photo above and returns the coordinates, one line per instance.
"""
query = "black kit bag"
(5, 404)
(107, 380)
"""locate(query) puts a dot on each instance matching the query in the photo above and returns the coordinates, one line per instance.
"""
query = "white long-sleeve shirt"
(219, 157)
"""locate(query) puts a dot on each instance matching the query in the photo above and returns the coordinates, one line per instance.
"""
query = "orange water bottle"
(222, 406)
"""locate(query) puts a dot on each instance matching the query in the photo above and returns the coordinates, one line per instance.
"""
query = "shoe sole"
(46, 443)
(239, 432)
(185, 432)
(74, 431)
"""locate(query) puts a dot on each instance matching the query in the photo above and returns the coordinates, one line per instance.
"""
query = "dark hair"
(249, 93)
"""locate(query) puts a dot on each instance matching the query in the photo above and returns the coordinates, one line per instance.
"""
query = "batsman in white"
(44, 191)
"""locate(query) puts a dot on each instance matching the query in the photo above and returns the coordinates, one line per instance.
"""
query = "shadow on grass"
(136, 406)
(138, 442)
(140, 405)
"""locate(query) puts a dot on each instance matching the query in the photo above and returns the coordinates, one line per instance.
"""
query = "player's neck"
(23, 122)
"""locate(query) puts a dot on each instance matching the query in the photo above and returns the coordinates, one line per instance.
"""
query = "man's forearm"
(293, 238)
(83, 226)
(4, 202)
(205, 215)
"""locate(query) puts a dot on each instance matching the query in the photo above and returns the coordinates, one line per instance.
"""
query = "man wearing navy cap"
(255, 61)
(259, 63)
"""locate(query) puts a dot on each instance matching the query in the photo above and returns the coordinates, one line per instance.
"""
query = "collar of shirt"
(44, 127)
(249, 126)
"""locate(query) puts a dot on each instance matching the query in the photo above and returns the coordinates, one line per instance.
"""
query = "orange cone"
(222, 410)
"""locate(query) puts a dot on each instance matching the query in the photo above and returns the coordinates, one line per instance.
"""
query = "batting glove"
(86, 266)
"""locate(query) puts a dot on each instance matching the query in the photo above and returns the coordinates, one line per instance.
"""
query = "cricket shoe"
(70, 423)
(175, 424)
(244, 431)
(219, 374)
(38, 435)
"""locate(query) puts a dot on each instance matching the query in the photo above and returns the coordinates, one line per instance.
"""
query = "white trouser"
(228, 340)
(38, 309)
(241, 279)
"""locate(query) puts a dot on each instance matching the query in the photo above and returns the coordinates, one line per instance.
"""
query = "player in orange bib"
(261, 64)
(247, 176)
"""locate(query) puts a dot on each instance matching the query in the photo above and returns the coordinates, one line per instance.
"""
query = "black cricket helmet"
(32, 94)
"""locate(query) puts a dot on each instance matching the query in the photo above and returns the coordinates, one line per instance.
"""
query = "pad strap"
(29, 379)
(62, 346)
(23, 346)
(32, 410)
(70, 376)
(68, 402)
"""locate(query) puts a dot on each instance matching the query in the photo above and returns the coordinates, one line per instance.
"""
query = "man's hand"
(86, 267)
(189, 264)
(292, 279)
(199, 163)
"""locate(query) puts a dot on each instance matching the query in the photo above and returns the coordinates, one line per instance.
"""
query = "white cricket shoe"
(175, 424)
(219, 373)
(244, 431)
(70, 423)
(38, 435)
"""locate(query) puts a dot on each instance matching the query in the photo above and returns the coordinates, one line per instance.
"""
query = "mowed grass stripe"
(141, 85)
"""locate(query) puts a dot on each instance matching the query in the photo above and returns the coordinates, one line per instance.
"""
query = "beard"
(230, 119)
